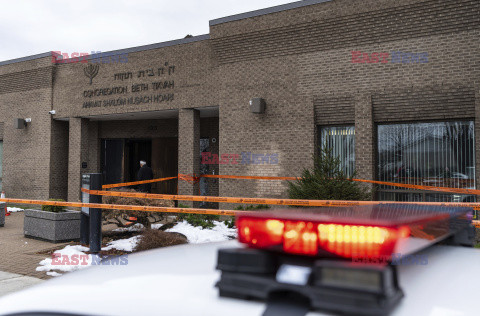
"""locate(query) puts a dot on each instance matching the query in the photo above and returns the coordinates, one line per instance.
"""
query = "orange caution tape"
(128, 207)
(401, 185)
(189, 178)
(195, 179)
(127, 184)
(332, 203)
(423, 187)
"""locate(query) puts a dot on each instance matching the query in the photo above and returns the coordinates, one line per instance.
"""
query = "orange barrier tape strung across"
(268, 201)
(195, 179)
(423, 187)
(128, 207)
(127, 184)
(401, 185)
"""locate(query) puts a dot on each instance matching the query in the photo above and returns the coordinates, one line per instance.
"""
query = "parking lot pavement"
(11, 282)
(19, 255)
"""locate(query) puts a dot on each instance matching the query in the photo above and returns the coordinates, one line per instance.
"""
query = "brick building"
(392, 86)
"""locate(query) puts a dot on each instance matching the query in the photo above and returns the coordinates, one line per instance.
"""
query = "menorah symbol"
(91, 71)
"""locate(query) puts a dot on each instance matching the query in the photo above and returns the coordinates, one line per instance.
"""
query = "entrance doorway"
(136, 150)
(121, 157)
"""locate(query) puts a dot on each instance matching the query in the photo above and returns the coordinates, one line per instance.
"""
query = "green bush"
(252, 207)
(327, 181)
(230, 223)
(53, 208)
(197, 220)
(200, 220)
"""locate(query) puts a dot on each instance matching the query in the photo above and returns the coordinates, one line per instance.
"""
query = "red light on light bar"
(359, 241)
(306, 237)
(300, 238)
(260, 233)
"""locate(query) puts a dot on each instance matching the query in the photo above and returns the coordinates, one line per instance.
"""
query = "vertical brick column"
(188, 149)
(364, 138)
(77, 153)
(93, 148)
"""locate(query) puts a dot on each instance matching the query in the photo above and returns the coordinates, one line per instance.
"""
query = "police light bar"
(311, 257)
(368, 231)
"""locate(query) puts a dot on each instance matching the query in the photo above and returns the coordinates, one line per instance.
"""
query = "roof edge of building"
(275, 9)
(26, 58)
(136, 49)
(118, 51)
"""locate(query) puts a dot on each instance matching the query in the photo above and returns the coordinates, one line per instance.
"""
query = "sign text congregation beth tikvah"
(158, 91)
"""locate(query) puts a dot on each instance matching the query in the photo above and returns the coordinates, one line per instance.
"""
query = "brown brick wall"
(26, 93)
(138, 129)
(285, 129)
(188, 149)
(26, 80)
(401, 22)
(209, 129)
(364, 137)
(59, 160)
(78, 152)
(424, 105)
(193, 79)
(26, 155)
(333, 111)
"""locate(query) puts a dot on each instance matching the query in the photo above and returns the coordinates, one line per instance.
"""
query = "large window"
(433, 154)
(341, 140)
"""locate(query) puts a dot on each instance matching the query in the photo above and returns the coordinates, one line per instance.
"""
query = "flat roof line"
(119, 51)
(151, 46)
(275, 9)
(31, 57)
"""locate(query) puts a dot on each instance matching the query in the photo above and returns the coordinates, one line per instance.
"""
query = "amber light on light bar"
(307, 237)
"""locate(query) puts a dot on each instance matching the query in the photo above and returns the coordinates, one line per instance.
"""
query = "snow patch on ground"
(14, 209)
(198, 235)
(72, 253)
(73, 258)
(54, 274)
(77, 259)
(127, 245)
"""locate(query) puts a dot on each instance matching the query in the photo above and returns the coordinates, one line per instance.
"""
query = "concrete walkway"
(19, 256)
(10, 282)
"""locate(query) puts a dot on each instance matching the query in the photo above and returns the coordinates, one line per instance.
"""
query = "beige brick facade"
(299, 59)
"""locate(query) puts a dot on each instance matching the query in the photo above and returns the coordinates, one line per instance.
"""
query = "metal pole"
(84, 217)
(84, 229)
(95, 214)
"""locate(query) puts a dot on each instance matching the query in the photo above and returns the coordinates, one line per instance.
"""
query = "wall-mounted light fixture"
(21, 123)
(257, 105)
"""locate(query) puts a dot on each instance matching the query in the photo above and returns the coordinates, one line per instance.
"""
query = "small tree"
(327, 181)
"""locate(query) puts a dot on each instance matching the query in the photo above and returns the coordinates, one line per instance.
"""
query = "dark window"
(433, 154)
(342, 141)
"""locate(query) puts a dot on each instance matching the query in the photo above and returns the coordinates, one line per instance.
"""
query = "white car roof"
(180, 281)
